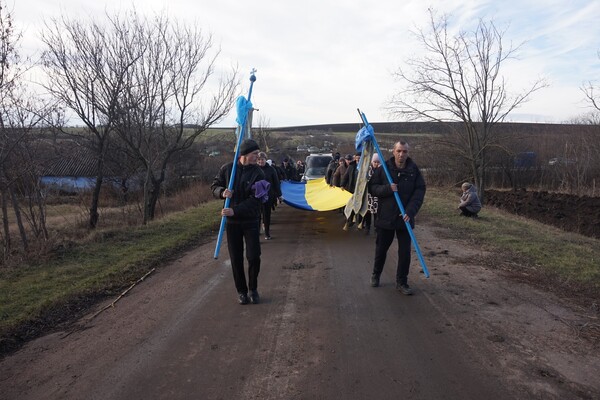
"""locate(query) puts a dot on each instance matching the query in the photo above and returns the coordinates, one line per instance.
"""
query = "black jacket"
(333, 164)
(290, 172)
(411, 188)
(246, 207)
(273, 179)
(349, 178)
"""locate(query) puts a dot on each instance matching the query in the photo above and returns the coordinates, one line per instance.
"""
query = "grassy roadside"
(36, 298)
(556, 259)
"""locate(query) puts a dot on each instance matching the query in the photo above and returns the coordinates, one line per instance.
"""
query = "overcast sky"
(318, 60)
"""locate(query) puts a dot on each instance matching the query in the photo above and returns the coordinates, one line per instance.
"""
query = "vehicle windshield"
(318, 161)
(316, 166)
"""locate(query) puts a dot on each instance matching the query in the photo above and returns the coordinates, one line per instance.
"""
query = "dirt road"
(321, 332)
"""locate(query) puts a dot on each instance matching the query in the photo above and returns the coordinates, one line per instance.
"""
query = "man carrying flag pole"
(242, 185)
(400, 188)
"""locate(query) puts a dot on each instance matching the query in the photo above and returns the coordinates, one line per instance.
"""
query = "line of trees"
(135, 82)
(552, 158)
(21, 114)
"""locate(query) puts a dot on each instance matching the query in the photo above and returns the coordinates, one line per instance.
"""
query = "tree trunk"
(147, 194)
(42, 210)
(7, 242)
(97, 187)
(153, 198)
(95, 200)
(17, 210)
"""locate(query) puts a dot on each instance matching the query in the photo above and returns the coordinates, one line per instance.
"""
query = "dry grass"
(40, 294)
(563, 262)
(67, 220)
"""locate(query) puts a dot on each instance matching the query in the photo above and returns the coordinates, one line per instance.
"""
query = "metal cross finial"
(253, 71)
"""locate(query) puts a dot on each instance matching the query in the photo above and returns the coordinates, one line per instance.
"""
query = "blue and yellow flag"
(314, 195)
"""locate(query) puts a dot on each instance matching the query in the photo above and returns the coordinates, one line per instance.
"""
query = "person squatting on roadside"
(274, 193)
(469, 201)
(410, 185)
(243, 215)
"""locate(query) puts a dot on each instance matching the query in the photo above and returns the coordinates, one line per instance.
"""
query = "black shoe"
(268, 237)
(374, 280)
(243, 298)
(404, 289)
(254, 297)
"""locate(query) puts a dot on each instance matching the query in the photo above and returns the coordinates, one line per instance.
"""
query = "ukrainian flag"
(314, 195)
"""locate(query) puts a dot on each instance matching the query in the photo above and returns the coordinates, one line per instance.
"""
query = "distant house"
(74, 171)
(70, 175)
(526, 159)
(70, 168)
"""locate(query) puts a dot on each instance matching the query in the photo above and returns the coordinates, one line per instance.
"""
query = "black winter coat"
(273, 179)
(411, 188)
(246, 207)
(350, 176)
(333, 164)
(290, 172)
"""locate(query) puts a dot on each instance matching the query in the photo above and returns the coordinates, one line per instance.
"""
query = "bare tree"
(459, 79)
(86, 64)
(8, 57)
(590, 89)
(21, 115)
(262, 132)
(162, 110)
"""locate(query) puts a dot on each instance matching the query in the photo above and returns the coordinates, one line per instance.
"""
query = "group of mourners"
(256, 191)
(288, 171)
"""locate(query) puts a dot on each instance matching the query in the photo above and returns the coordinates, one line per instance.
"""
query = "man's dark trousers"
(385, 237)
(236, 235)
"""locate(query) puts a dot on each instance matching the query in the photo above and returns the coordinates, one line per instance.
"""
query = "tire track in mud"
(284, 331)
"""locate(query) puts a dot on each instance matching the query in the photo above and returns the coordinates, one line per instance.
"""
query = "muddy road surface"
(320, 332)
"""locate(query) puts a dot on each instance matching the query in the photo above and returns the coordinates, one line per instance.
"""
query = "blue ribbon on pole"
(242, 106)
(368, 133)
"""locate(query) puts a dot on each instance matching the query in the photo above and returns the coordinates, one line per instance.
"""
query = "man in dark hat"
(243, 215)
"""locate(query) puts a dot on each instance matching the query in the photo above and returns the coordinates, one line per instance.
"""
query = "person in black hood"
(410, 186)
(243, 215)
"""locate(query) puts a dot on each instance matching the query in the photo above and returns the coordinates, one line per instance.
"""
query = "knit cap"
(248, 146)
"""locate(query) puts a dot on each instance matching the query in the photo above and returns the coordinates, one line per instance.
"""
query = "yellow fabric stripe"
(322, 197)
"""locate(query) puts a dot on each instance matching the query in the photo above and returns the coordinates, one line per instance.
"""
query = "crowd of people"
(256, 191)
